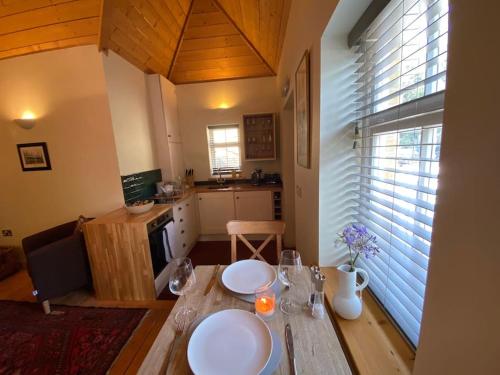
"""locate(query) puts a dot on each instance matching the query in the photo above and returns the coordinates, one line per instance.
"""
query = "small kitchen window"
(224, 148)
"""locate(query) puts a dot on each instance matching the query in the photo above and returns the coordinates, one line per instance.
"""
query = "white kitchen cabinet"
(163, 102)
(253, 205)
(176, 160)
(215, 210)
(169, 99)
(186, 228)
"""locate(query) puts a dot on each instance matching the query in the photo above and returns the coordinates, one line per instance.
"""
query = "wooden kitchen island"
(119, 254)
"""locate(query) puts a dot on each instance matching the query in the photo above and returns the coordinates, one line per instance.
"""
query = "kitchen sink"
(218, 187)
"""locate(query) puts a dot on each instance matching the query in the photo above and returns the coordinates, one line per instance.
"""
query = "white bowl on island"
(139, 207)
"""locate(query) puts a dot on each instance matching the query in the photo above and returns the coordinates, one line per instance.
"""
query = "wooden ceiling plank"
(215, 42)
(185, 5)
(71, 29)
(151, 41)
(64, 43)
(222, 63)
(147, 11)
(49, 15)
(214, 53)
(124, 42)
(25, 5)
(139, 22)
(270, 19)
(205, 19)
(197, 32)
(204, 6)
(217, 74)
(250, 44)
(168, 18)
(283, 25)
(177, 12)
(251, 19)
(151, 48)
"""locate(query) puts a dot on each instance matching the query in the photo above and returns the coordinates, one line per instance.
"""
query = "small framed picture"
(34, 156)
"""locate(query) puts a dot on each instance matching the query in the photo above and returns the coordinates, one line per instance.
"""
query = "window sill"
(372, 343)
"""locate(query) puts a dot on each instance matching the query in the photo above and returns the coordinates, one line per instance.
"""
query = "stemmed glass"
(181, 281)
(289, 270)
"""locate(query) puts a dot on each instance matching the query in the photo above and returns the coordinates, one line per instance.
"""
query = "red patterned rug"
(83, 340)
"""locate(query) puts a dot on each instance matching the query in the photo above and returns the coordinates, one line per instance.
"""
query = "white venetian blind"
(224, 148)
(401, 80)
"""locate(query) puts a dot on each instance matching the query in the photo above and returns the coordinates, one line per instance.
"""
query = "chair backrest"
(237, 229)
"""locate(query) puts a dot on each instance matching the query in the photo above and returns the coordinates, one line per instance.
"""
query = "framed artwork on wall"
(34, 156)
(302, 112)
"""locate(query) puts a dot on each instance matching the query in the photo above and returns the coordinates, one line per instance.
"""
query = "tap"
(220, 180)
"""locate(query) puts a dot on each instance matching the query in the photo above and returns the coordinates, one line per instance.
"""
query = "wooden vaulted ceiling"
(184, 40)
(28, 26)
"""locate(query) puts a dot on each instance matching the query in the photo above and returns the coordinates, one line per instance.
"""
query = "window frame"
(226, 172)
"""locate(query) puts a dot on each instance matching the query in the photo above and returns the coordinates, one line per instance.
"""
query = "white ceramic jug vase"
(346, 302)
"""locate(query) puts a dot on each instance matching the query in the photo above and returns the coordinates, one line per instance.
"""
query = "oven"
(161, 252)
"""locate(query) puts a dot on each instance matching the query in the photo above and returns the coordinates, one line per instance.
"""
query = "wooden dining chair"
(237, 229)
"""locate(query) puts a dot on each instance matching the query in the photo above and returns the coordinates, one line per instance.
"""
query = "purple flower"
(359, 241)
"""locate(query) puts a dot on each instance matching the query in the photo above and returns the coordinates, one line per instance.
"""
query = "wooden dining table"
(317, 347)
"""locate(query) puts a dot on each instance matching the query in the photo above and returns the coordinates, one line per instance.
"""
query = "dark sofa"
(57, 262)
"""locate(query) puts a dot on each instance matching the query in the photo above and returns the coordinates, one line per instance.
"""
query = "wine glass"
(289, 270)
(181, 281)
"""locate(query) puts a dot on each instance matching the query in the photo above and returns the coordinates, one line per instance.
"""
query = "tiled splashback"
(141, 185)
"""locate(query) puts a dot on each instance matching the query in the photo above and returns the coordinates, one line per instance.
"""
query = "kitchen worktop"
(210, 189)
(238, 187)
(122, 216)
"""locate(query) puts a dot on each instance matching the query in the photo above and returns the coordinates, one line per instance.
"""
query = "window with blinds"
(401, 81)
(224, 148)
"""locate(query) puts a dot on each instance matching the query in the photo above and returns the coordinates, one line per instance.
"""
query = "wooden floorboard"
(18, 287)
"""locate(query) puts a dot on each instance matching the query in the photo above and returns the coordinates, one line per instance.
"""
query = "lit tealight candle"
(264, 302)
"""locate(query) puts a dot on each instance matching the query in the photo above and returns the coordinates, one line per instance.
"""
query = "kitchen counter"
(238, 187)
(229, 188)
(122, 216)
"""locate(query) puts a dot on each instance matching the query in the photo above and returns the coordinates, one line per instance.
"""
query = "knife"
(212, 280)
(289, 346)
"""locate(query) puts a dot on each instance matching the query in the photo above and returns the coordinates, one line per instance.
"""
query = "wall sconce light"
(27, 120)
(223, 105)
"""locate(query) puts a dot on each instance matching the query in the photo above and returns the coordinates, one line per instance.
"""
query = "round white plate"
(246, 276)
(230, 342)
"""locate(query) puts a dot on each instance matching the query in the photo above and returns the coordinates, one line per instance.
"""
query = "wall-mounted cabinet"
(260, 136)
(168, 140)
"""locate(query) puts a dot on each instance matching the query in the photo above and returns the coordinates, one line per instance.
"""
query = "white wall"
(338, 164)
(198, 107)
(461, 327)
(66, 90)
(305, 27)
(131, 116)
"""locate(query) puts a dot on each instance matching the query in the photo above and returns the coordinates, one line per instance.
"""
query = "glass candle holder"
(265, 302)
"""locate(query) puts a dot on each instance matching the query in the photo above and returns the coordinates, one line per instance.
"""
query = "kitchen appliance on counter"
(256, 177)
(259, 178)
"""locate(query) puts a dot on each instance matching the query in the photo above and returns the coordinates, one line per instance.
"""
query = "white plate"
(230, 342)
(246, 276)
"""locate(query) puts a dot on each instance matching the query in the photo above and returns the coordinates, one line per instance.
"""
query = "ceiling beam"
(104, 27)
(179, 42)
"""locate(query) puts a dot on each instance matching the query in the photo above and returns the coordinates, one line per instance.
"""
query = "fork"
(179, 330)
